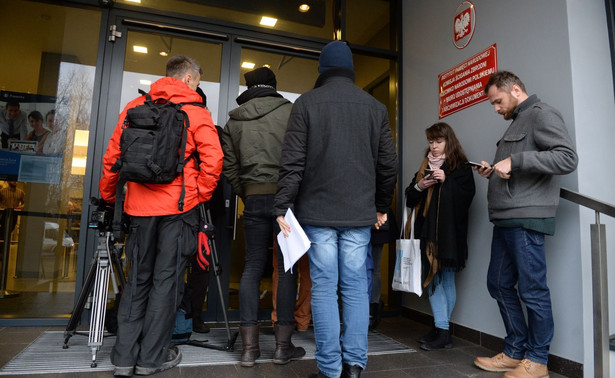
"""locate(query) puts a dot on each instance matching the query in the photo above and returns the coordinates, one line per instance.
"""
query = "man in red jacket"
(161, 237)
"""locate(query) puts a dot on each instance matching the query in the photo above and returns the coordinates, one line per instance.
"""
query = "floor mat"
(45, 354)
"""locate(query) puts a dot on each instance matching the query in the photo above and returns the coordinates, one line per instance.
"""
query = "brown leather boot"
(251, 350)
(285, 351)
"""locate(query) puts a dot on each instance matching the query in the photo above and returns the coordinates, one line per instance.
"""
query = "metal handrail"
(600, 292)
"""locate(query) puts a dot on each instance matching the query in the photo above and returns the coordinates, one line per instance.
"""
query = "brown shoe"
(528, 369)
(499, 362)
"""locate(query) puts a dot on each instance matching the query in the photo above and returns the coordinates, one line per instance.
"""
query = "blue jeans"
(443, 299)
(518, 258)
(337, 258)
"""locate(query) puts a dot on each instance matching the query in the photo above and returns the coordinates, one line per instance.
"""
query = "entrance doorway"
(138, 58)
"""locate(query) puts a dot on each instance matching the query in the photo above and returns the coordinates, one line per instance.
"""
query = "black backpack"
(153, 143)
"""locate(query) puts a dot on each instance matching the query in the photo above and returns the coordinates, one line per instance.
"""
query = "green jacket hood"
(256, 108)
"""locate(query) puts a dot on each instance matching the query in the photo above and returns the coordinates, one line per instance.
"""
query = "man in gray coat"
(523, 195)
(337, 173)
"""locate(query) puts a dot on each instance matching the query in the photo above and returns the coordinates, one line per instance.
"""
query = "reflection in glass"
(51, 71)
(141, 70)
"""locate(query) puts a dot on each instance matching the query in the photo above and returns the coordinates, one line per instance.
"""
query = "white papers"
(296, 244)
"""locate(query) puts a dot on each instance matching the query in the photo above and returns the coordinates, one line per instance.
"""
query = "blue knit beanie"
(335, 54)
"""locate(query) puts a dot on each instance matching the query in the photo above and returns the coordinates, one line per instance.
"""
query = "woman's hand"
(438, 175)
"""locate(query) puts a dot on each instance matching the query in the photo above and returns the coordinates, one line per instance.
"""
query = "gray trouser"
(157, 249)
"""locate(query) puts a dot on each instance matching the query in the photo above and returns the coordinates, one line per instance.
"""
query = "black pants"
(259, 227)
(157, 249)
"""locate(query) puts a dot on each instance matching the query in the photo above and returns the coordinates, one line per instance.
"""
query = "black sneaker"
(174, 357)
(428, 337)
(442, 340)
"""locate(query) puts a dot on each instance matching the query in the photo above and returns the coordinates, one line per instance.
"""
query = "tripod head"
(102, 217)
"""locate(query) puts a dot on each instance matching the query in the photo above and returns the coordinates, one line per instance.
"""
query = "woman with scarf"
(440, 195)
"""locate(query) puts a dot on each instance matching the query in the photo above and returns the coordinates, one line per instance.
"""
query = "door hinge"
(113, 33)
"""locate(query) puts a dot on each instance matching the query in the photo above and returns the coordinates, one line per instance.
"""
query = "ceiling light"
(134, 1)
(164, 53)
(139, 49)
(266, 65)
(247, 65)
(145, 82)
(268, 21)
(304, 8)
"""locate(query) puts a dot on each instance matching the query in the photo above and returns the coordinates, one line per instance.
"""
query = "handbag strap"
(403, 222)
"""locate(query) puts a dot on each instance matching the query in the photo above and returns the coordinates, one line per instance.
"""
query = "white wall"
(560, 51)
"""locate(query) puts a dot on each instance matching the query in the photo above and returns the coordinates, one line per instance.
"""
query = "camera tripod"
(209, 230)
(105, 264)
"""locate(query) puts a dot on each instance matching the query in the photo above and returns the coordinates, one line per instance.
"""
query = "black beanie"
(335, 54)
(262, 75)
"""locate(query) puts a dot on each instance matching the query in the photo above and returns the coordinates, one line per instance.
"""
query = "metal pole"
(8, 217)
(600, 298)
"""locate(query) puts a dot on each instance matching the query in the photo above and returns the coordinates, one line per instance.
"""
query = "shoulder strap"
(180, 166)
(147, 96)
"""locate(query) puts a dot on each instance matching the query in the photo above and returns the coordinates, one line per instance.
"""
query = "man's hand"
(382, 219)
(503, 168)
(284, 227)
(485, 170)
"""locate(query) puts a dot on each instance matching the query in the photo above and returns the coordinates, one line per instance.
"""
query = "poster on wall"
(18, 161)
(462, 86)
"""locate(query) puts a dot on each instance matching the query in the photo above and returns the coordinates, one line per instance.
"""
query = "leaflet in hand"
(295, 245)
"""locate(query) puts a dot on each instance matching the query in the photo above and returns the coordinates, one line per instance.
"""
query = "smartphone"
(474, 164)
(428, 173)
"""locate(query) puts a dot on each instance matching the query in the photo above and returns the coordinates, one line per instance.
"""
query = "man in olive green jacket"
(252, 144)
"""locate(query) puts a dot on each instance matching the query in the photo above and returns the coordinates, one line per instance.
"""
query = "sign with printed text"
(462, 86)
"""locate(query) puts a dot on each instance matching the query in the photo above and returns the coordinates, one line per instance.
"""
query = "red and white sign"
(464, 23)
(463, 85)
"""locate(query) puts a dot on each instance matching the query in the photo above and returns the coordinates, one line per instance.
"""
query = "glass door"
(47, 91)
(137, 58)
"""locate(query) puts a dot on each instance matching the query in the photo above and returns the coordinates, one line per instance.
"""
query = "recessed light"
(139, 49)
(145, 82)
(304, 8)
(134, 1)
(247, 65)
(268, 21)
(164, 53)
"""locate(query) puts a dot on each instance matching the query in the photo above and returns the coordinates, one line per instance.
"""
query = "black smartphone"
(428, 173)
(474, 164)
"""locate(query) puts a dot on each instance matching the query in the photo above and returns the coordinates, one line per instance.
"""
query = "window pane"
(47, 80)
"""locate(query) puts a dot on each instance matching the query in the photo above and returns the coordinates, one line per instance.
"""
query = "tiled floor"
(456, 362)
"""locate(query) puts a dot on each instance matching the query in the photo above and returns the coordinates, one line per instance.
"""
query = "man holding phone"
(523, 196)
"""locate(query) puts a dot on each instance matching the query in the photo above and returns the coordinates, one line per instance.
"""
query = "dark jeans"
(260, 227)
(518, 259)
(157, 249)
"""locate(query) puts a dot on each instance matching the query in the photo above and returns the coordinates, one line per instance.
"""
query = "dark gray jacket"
(540, 149)
(339, 164)
(252, 143)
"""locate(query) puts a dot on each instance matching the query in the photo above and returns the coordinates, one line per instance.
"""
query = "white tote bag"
(407, 275)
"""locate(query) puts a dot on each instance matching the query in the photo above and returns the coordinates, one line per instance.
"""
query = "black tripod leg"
(80, 305)
(216, 268)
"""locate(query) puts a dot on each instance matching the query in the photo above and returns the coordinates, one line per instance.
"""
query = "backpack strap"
(116, 225)
(180, 166)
